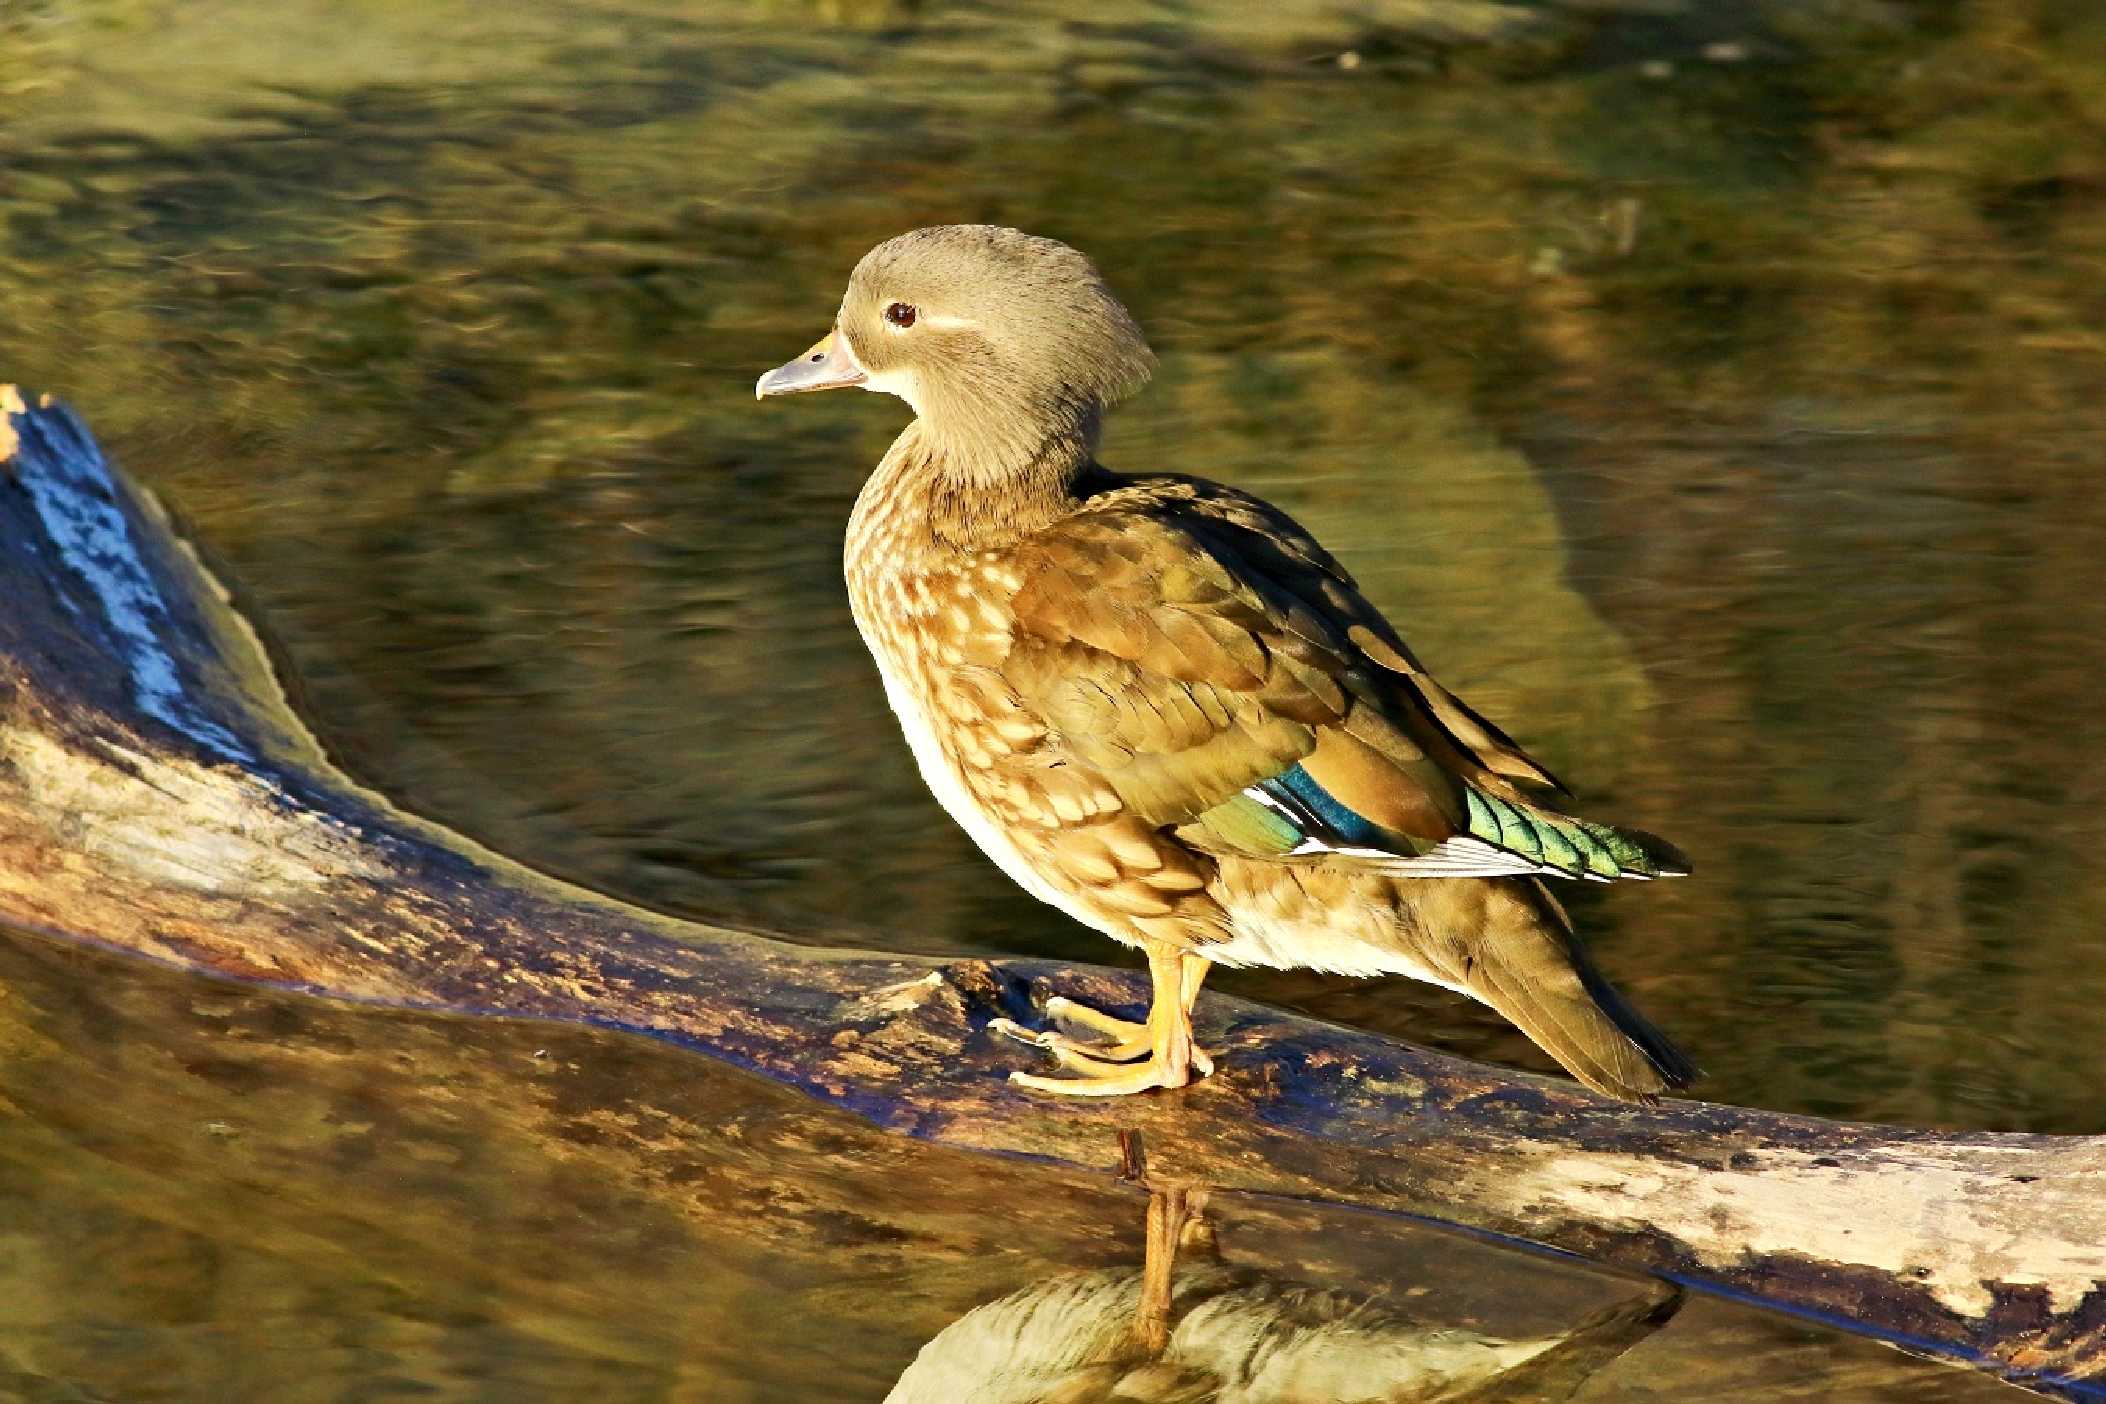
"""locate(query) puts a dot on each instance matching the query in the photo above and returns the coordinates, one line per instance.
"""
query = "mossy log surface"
(158, 795)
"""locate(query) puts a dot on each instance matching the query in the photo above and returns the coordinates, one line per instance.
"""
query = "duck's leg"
(1166, 1223)
(1128, 1039)
(1166, 1039)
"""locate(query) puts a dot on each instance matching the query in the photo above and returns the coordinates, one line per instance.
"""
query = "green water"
(1710, 393)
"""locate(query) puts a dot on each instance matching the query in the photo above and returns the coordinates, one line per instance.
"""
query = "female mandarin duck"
(1160, 706)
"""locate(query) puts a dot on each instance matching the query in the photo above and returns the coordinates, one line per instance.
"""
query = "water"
(1709, 393)
(211, 1192)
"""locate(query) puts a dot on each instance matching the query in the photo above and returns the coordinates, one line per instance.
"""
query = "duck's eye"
(900, 315)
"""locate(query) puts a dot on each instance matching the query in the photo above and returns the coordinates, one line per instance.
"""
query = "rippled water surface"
(1710, 392)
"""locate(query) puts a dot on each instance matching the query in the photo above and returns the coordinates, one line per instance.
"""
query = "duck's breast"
(934, 638)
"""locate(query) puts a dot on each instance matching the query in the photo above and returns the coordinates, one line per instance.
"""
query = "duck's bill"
(828, 365)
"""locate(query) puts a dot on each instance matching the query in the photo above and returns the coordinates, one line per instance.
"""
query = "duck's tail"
(1526, 963)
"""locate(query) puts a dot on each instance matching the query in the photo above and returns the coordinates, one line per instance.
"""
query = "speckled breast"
(933, 638)
(940, 622)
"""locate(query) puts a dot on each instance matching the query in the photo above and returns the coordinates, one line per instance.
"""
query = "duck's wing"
(1197, 652)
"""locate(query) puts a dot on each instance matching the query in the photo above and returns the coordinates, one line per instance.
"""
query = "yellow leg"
(1166, 1039)
(1166, 1221)
(1192, 973)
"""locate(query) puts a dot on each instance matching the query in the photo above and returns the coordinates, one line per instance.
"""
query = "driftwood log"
(158, 795)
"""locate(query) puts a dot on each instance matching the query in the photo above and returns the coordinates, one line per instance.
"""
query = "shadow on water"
(211, 1191)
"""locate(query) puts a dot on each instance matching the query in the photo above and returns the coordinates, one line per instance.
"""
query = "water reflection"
(211, 1192)
(1190, 1327)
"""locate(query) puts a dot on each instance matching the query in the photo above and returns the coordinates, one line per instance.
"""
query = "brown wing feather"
(1177, 704)
(1186, 641)
(1290, 562)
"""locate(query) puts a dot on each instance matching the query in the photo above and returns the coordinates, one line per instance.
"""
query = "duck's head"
(1007, 346)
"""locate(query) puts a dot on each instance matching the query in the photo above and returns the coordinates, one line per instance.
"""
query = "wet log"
(159, 796)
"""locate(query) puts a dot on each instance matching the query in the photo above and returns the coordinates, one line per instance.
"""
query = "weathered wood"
(158, 795)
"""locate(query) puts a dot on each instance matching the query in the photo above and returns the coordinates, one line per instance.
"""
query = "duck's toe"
(1124, 1038)
(1061, 1044)
(1090, 1078)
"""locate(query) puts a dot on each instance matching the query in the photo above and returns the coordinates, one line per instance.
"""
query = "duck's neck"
(936, 494)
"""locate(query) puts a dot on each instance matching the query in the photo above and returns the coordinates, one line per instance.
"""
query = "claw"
(1010, 1028)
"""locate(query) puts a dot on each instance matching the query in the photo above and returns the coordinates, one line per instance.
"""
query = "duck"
(1189, 1326)
(1159, 705)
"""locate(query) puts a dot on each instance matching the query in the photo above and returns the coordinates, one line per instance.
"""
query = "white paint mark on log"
(1941, 1219)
